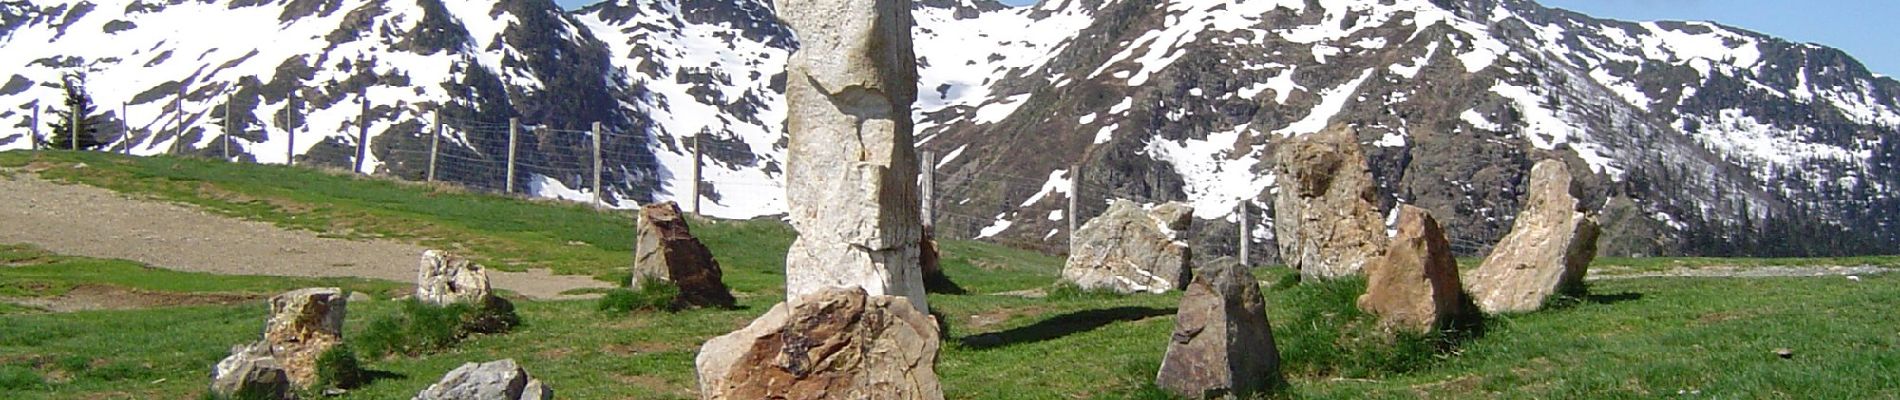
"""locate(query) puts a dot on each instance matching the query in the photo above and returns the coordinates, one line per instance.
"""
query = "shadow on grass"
(371, 376)
(1612, 298)
(1061, 325)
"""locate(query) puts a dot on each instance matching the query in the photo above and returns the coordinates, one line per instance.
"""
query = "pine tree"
(88, 124)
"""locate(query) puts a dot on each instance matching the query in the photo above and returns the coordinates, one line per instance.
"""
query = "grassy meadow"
(1630, 338)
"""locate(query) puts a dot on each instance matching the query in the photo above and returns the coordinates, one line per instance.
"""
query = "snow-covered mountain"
(1698, 138)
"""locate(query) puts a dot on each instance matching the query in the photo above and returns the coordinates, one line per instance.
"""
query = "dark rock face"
(1414, 287)
(1222, 346)
(669, 253)
(833, 344)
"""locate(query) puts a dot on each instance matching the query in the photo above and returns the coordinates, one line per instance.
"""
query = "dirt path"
(1853, 272)
(88, 221)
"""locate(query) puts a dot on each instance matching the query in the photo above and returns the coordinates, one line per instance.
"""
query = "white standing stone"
(851, 170)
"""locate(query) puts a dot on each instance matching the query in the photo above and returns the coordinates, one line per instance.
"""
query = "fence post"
(125, 130)
(1075, 195)
(178, 119)
(435, 143)
(697, 161)
(228, 98)
(514, 132)
(597, 187)
(927, 169)
(35, 126)
(290, 129)
(1246, 235)
(362, 131)
(72, 125)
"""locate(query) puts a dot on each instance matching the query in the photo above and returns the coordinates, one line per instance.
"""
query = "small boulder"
(1547, 252)
(838, 343)
(250, 373)
(1222, 345)
(1325, 213)
(443, 279)
(303, 324)
(1129, 249)
(494, 380)
(1414, 287)
(668, 253)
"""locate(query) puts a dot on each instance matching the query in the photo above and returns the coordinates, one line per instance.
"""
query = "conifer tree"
(87, 125)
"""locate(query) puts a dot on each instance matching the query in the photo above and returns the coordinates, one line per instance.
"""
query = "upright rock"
(250, 372)
(443, 279)
(668, 253)
(1414, 287)
(1547, 252)
(1128, 249)
(851, 169)
(836, 344)
(1222, 346)
(1326, 214)
(494, 380)
(303, 324)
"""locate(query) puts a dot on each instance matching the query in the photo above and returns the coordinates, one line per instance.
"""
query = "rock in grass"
(851, 159)
(930, 261)
(1414, 286)
(494, 380)
(303, 324)
(250, 373)
(1130, 250)
(443, 279)
(1222, 346)
(1326, 214)
(668, 253)
(1546, 253)
(834, 344)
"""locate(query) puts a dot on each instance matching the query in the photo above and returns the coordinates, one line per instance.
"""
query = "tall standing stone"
(851, 170)
(669, 253)
(1222, 345)
(303, 324)
(1326, 217)
(1414, 288)
(1547, 252)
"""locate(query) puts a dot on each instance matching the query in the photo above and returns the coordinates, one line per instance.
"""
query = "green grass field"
(1635, 338)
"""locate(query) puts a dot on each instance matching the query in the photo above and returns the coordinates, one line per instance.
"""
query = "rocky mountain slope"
(1690, 137)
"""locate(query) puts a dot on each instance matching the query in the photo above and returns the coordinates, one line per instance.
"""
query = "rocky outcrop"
(835, 344)
(668, 253)
(443, 279)
(1547, 252)
(303, 324)
(250, 372)
(494, 380)
(1325, 213)
(1414, 288)
(1129, 249)
(852, 166)
(1222, 346)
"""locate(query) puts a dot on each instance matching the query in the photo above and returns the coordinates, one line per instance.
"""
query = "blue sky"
(1861, 27)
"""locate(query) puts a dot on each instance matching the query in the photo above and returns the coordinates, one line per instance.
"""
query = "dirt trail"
(88, 221)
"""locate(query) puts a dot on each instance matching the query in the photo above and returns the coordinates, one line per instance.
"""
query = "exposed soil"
(103, 297)
(88, 221)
